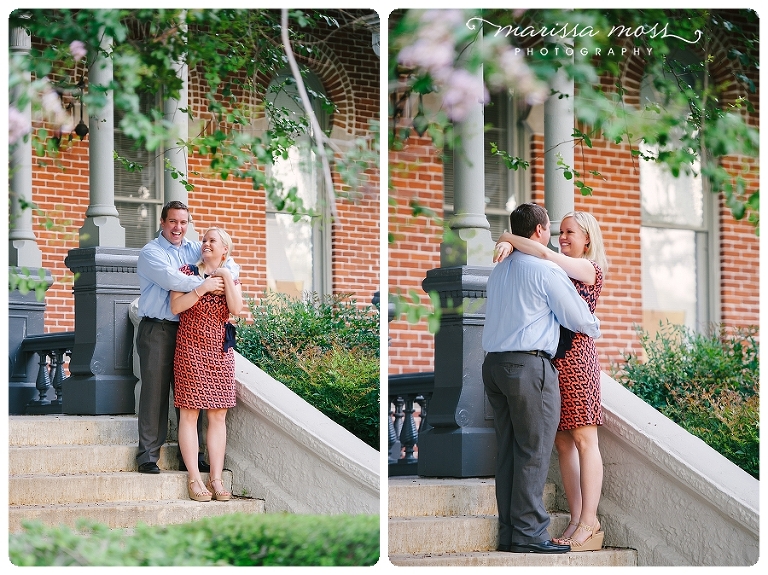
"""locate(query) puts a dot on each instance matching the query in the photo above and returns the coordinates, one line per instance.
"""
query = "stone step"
(67, 459)
(62, 468)
(458, 534)
(606, 557)
(454, 522)
(121, 515)
(103, 487)
(42, 430)
(411, 496)
(412, 535)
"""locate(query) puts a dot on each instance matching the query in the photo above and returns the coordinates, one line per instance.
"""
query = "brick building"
(712, 278)
(273, 251)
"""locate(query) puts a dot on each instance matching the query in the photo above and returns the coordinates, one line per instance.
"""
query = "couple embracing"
(185, 340)
(542, 377)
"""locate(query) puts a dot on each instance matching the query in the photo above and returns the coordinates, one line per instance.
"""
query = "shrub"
(326, 350)
(706, 383)
(237, 540)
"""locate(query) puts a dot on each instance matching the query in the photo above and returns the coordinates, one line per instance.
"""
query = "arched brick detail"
(722, 72)
(338, 87)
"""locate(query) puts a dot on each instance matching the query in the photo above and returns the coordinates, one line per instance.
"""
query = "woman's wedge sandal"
(202, 495)
(566, 539)
(592, 543)
(219, 495)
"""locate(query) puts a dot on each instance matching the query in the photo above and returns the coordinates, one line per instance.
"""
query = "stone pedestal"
(461, 441)
(101, 378)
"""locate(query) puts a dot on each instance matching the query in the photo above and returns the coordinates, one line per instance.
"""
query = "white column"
(22, 243)
(558, 140)
(175, 153)
(474, 245)
(102, 223)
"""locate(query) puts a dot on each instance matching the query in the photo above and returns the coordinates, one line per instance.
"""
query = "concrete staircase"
(453, 522)
(63, 467)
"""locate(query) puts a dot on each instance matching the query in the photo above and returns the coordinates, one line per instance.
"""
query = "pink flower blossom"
(78, 50)
(54, 111)
(434, 48)
(432, 57)
(511, 71)
(18, 125)
(462, 91)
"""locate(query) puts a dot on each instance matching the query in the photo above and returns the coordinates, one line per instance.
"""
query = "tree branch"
(317, 133)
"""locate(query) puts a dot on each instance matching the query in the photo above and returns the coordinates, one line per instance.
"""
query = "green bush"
(237, 540)
(706, 383)
(326, 350)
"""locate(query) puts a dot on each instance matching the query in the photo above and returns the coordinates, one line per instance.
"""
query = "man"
(527, 300)
(158, 269)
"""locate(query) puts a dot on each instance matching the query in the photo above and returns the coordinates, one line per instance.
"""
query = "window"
(297, 251)
(139, 193)
(676, 243)
(504, 188)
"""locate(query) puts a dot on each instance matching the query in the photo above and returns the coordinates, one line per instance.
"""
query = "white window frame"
(321, 224)
(706, 249)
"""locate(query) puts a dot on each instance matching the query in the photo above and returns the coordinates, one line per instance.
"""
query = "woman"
(582, 257)
(204, 364)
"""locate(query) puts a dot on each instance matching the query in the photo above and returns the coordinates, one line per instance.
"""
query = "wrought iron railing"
(52, 350)
(409, 395)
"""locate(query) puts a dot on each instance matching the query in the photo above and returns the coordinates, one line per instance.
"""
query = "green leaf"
(420, 124)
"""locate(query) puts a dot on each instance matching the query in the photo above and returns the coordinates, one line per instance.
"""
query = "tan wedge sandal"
(202, 495)
(566, 539)
(219, 495)
(592, 543)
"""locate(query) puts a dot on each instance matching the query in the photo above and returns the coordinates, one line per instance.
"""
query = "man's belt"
(163, 321)
(536, 352)
(539, 353)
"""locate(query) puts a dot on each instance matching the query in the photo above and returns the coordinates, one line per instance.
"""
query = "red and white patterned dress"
(579, 370)
(204, 375)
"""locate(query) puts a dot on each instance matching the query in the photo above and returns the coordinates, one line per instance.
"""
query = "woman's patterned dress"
(204, 375)
(579, 370)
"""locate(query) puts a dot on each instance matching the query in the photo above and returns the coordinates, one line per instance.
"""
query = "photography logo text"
(570, 33)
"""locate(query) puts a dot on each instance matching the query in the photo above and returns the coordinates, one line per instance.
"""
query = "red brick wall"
(62, 194)
(415, 173)
(739, 261)
(349, 71)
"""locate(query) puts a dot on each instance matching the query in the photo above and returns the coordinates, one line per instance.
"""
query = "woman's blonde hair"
(225, 239)
(595, 248)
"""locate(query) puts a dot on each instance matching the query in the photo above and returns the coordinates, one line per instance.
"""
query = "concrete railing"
(666, 493)
(285, 451)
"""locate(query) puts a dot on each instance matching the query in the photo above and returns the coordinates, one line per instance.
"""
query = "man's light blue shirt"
(528, 298)
(158, 269)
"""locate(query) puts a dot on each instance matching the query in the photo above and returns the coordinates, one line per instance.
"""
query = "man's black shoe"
(149, 467)
(541, 547)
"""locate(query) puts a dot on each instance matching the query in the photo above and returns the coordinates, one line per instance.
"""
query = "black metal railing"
(52, 350)
(409, 395)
